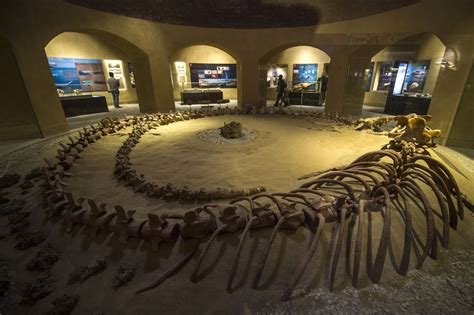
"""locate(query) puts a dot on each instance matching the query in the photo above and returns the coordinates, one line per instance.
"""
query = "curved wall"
(30, 25)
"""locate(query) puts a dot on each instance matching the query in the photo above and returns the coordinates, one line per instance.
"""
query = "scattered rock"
(9, 180)
(214, 136)
(20, 226)
(63, 305)
(124, 275)
(38, 288)
(29, 239)
(4, 200)
(27, 184)
(5, 277)
(82, 272)
(34, 173)
(12, 207)
(18, 217)
(44, 260)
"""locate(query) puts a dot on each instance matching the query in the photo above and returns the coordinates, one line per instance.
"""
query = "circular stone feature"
(215, 136)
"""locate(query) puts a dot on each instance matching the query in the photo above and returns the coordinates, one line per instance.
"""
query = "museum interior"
(236, 157)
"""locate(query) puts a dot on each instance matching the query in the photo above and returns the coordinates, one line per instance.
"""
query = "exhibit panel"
(302, 68)
(203, 74)
(80, 65)
(406, 89)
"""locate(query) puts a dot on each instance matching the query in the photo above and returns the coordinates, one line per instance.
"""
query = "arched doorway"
(204, 76)
(80, 64)
(404, 75)
(304, 69)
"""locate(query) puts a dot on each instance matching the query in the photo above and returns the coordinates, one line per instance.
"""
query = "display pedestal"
(189, 97)
(83, 105)
(304, 98)
(405, 104)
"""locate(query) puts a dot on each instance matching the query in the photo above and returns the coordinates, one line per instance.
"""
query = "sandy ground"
(286, 148)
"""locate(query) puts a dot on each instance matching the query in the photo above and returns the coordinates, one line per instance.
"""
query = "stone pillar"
(34, 68)
(144, 85)
(450, 86)
(346, 86)
(17, 119)
(157, 78)
(248, 82)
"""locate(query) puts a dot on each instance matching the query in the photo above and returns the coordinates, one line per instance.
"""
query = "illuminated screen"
(305, 75)
(209, 75)
(416, 76)
(77, 74)
(385, 76)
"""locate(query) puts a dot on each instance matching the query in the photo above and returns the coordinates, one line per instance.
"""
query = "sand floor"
(285, 149)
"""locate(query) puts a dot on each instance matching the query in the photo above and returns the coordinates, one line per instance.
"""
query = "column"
(34, 68)
(17, 119)
(160, 99)
(449, 87)
(248, 82)
(346, 85)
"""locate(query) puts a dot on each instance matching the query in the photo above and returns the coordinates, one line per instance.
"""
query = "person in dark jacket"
(281, 90)
(323, 83)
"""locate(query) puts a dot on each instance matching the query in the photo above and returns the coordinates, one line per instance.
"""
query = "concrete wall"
(199, 54)
(79, 45)
(17, 120)
(295, 55)
(462, 134)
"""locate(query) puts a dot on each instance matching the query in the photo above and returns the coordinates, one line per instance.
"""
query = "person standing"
(323, 84)
(281, 90)
(114, 85)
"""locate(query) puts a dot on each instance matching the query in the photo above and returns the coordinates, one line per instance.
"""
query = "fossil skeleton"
(386, 182)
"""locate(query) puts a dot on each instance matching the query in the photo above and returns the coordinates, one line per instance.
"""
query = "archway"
(405, 75)
(80, 63)
(204, 75)
(304, 69)
(18, 120)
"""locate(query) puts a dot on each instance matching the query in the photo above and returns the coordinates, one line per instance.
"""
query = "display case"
(77, 105)
(201, 96)
(406, 89)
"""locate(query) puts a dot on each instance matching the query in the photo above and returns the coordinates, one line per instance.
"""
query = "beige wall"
(199, 54)
(462, 134)
(30, 25)
(295, 55)
(17, 119)
(79, 45)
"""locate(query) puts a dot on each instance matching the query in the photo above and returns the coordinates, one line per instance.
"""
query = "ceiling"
(244, 13)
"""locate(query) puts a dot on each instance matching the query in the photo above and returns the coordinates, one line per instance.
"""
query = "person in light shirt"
(114, 85)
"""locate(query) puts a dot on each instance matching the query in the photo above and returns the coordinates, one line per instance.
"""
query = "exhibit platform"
(202, 96)
(402, 104)
(77, 105)
(304, 98)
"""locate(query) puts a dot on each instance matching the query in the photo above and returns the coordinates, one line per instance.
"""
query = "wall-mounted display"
(415, 76)
(273, 71)
(181, 72)
(206, 75)
(305, 76)
(115, 66)
(385, 75)
(71, 74)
